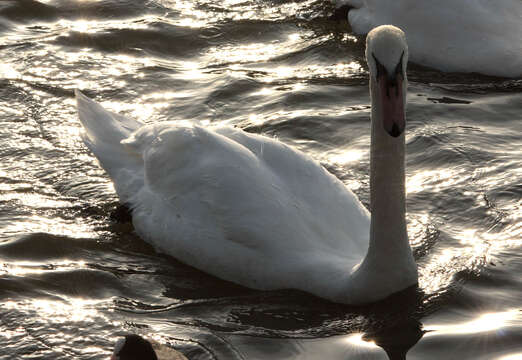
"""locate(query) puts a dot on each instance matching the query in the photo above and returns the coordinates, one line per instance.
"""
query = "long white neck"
(388, 234)
(389, 265)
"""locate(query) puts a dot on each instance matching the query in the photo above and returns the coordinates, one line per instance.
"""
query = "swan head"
(387, 57)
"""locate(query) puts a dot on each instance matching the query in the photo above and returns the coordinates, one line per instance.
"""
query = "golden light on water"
(93, 26)
(311, 71)
(8, 334)
(39, 224)
(191, 22)
(434, 180)
(26, 268)
(190, 15)
(278, 73)
(357, 340)
(476, 246)
(437, 273)
(484, 323)
(8, 72)
(337, 70)
(190, 70)
(166, 96)
(468, 237)
(84, 26)
(264, 91)
(516, 356)
(255, 51)
(29, 199)
(136, 111)
(71, 310)
(141, 82)
(267, 91)
(294, 37)
(246, 53)
(509, 238)
(347, 156)
(255, 119)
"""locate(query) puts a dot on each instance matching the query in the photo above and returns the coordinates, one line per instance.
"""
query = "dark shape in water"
(341, 13)
(397, 339)
(122, 214)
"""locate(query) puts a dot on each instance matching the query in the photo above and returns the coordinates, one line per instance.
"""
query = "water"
(74, 276)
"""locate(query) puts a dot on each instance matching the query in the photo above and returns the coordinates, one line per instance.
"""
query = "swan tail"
(103, 134)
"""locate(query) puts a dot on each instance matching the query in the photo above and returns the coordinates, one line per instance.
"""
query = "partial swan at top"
(252, 210)
(480, 36)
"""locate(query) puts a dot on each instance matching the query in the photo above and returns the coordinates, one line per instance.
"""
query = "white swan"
(480, 36)
(251, 210)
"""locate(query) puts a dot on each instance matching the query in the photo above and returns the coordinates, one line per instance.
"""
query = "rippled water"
(74, 276)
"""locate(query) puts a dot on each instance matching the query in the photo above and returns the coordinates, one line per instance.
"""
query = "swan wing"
(245, 207)
(103, 132)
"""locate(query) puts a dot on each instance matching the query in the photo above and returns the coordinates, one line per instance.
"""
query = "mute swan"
(133, 347)
(480, 36)
(251, 210)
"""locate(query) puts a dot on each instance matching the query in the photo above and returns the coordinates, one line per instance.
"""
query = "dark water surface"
(74, 276)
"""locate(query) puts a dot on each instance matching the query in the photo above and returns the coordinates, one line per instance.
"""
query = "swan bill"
(391, 96)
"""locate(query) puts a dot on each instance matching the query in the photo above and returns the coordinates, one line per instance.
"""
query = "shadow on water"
(397, 340)
(395, 326)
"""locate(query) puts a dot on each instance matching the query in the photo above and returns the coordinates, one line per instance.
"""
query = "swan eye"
(381, 70)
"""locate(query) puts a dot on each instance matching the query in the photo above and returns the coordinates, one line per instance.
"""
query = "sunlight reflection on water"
(61, 311)
(40, 224)
(517, 356)
(247, 64)
(357, 340)
(484, 323)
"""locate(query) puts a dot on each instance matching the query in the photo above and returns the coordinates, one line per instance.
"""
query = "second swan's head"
(387, 57)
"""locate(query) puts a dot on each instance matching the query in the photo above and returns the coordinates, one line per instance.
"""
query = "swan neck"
(389, 265)
(388, 234)
(387, 192)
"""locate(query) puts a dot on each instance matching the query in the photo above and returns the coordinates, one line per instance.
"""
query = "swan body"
(480, 36)
(254, 211)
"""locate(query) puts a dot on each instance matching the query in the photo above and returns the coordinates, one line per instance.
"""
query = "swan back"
(281, 217)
